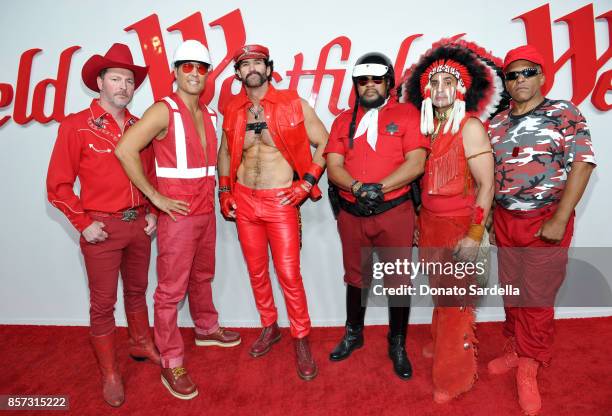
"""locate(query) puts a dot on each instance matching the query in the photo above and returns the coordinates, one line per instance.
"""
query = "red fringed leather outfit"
(446, 214)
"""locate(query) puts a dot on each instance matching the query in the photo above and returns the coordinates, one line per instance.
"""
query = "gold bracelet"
(475, 232)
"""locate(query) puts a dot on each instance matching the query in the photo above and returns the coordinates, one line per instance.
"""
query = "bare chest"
(198, 124)
(257, 132)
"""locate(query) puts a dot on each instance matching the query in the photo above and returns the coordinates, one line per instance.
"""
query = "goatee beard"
(377, 102)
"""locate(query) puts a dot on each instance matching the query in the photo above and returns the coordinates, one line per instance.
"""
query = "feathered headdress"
(480, 87)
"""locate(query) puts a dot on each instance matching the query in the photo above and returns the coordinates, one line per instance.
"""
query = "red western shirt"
(85, 147)
(398, 134)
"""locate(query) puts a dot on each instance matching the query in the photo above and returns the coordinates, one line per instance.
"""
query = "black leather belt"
(360, 211)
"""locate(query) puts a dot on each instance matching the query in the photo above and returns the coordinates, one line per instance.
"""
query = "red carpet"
(58, 360)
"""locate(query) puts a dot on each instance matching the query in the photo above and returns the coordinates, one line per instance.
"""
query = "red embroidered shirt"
(84, 148)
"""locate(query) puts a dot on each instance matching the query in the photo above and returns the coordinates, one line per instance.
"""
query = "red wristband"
(313, 174)
(224, 181)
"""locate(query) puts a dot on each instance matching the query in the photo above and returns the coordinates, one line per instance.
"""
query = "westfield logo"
(582, 53)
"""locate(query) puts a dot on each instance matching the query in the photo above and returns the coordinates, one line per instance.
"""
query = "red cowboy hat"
(118, 56)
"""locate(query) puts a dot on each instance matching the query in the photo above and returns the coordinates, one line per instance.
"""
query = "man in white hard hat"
(185, 143)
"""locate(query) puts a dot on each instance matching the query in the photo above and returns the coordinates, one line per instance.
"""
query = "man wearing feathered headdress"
(457, 86)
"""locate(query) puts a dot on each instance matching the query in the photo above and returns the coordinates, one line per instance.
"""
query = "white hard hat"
(191, 50)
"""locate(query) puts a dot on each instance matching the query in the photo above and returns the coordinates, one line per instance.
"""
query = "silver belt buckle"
(129, 215)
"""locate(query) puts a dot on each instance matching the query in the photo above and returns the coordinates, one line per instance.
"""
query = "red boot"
(178, 383)
(454, 361)
(269, 335)
(527, 385)
(504, 363)
(141, 342)
(112, 385)
(306, 366)
(222, 337)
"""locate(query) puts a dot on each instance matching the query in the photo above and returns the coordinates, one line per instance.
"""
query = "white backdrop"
(42, 276)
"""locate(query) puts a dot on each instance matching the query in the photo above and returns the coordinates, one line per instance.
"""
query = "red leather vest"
(185, 170)
(285, 120)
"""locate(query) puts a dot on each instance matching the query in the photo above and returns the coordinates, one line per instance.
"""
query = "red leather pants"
(261, 221)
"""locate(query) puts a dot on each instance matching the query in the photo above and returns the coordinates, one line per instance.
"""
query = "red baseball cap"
(118, 56)
(251, 52)
(526, 52)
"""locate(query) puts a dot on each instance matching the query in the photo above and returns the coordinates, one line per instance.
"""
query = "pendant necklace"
(255, 112)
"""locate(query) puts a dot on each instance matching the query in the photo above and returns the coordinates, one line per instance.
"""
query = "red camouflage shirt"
(534, 152)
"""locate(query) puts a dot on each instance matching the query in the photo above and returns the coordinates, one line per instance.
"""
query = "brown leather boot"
(141, 342)
(269, 335)
(178, 383)
(506, 362)
(112, 385)
(306, 366)
(222, 337)
(527, 385)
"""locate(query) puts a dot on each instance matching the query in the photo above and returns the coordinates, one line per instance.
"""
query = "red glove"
(301, 189)
(298, 192)
(226, 200)
(228, 205)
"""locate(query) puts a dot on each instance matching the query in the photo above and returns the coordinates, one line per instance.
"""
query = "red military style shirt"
(398, 134)
(85, 148)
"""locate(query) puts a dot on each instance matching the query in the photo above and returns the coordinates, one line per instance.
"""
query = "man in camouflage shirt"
(543, 161)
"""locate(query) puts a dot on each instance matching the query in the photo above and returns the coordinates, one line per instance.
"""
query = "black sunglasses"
(526, 73)
(362, 81)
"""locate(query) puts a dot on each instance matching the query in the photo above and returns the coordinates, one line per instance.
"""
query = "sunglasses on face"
(362, 81)
(526, 73)
(188, 67)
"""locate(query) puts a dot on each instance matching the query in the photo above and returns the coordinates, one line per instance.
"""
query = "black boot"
(353, 337)
(398, 323)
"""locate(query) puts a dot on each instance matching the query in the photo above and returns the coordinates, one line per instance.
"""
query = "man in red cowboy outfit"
(374, 153)
(184, 139)
(114, 219)
(456, 90)
(543, 161)
(266, 171)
